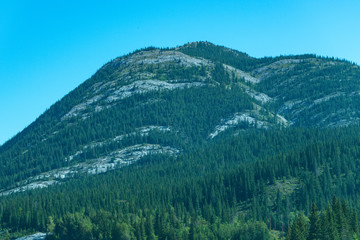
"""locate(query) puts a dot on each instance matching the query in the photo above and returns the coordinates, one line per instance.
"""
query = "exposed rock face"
(137, 87)
(36, 236)
(235, 120)
(135, 75)
(277, 67)
(162, 57)
(246, 76)
(252, 119)
(111, 161)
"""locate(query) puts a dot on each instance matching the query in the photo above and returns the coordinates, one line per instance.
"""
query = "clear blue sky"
(47, 48)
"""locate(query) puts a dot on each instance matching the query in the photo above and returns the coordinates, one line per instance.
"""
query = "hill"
(200, 133)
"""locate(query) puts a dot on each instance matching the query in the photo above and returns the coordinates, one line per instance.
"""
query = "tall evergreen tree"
(299, 228)
(315, 228)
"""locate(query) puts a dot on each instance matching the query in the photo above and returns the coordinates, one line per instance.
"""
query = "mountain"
(254, 130)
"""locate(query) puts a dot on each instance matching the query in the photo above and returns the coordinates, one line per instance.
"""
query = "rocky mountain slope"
(166, 101)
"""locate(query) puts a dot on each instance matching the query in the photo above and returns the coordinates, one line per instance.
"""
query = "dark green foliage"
(74, 227)
(329, 224)
(315, 227)
(81, 226)
(299, 228)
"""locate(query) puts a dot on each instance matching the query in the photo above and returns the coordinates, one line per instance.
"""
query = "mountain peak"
(198, 43)
(166, 100)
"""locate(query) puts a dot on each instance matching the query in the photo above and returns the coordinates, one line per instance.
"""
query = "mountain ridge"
(269, 88)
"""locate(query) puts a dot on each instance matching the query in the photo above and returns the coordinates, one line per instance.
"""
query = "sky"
(47, 48)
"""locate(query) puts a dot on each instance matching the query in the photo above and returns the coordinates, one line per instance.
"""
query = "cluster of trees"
(150, 225)
(337, 221)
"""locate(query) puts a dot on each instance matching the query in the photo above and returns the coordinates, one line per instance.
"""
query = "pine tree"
(339, 218)
(354, 222)
(332, 231)
(192, 230)
(299, 228)
(149, 228)
(314, 230)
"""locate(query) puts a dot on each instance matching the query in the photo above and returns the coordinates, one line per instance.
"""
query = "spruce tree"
(354, 222)
(314, 230)
(299, 228)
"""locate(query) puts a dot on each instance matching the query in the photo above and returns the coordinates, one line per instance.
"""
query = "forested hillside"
(194, 142)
